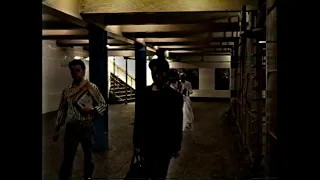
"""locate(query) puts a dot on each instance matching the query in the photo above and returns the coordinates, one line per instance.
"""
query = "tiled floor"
(208, 152)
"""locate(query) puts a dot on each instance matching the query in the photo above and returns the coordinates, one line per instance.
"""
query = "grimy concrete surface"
(209, 151)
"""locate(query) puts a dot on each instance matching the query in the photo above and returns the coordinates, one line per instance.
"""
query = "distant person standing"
(174, 82)
(188, 115)
(80, 102)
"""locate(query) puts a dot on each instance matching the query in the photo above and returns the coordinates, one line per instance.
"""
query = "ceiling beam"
(63, 16)
(79, 22)
(160, 18)
(198, 53)
(121, 53)
(85, 42)
(172, 47)
(183, 34)
(127, 53)
(195, 51)
(168, 6)
(200, 47)
(213, 27)
(58, 25)
(65, 34)
(197, 38)
(61, 37)
(159, 34)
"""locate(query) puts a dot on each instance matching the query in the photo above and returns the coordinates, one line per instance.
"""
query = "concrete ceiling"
(178, 32)
(71, 31)
(181, 33)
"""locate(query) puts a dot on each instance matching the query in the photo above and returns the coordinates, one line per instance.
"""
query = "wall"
(120, 61)
(54, 77)
(206, 74)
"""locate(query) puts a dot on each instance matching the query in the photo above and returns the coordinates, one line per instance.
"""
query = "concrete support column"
(271, 90)
(98, 73)
(141, 77)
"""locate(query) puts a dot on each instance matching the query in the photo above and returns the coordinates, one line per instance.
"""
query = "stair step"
(128, 100)
(124, 92)
(117, 85)
(118, 88)
(123, 96)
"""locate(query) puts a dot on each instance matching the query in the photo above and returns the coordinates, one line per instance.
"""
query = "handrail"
(118, 81)
(124, 71)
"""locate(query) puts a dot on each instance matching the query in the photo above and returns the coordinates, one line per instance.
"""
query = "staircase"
(120, 91)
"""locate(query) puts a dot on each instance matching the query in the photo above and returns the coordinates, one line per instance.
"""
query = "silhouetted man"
(80, 102)
(158, 130)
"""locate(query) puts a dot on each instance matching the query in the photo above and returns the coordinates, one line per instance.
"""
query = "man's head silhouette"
(159, 70)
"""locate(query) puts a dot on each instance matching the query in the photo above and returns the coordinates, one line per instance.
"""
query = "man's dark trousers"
(77, 132)
(157, 163)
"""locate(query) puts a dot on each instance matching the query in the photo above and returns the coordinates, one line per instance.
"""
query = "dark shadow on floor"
(209, 151)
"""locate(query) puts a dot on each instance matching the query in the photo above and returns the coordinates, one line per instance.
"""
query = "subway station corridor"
(209, 151)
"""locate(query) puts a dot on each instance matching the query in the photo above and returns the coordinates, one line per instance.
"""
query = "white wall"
(120, 61)
(206, 73)
(54, 77)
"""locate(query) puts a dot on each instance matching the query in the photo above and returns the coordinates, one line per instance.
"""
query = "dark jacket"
(158, 124)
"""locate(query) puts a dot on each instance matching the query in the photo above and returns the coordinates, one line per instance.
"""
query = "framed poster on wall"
(222, 78)
(192, 76)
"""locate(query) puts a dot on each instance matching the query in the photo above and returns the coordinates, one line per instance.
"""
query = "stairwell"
(120, 91)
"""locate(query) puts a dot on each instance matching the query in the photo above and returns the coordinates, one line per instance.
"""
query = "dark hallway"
(210, 151)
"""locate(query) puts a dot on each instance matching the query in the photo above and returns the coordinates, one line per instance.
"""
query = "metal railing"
(123, 75)
(117, 83)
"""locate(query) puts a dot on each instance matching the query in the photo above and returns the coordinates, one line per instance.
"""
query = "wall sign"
(192, 75)
(222, 78)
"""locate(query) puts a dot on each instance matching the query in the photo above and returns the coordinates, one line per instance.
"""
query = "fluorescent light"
(262, 42)
(108, 46)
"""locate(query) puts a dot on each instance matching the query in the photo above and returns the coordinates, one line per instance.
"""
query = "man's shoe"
(89, 171)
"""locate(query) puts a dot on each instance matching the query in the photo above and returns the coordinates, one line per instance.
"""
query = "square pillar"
(98, 73)
(141, 77)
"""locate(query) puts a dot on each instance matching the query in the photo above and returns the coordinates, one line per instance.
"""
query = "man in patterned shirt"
(77, 113)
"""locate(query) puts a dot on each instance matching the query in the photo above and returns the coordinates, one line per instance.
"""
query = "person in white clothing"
(174, 82)
(188, 116)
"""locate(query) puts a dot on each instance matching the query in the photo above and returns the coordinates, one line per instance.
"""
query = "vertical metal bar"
(242, 64)
(131, 89)
(126, 58)
(114, 73)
